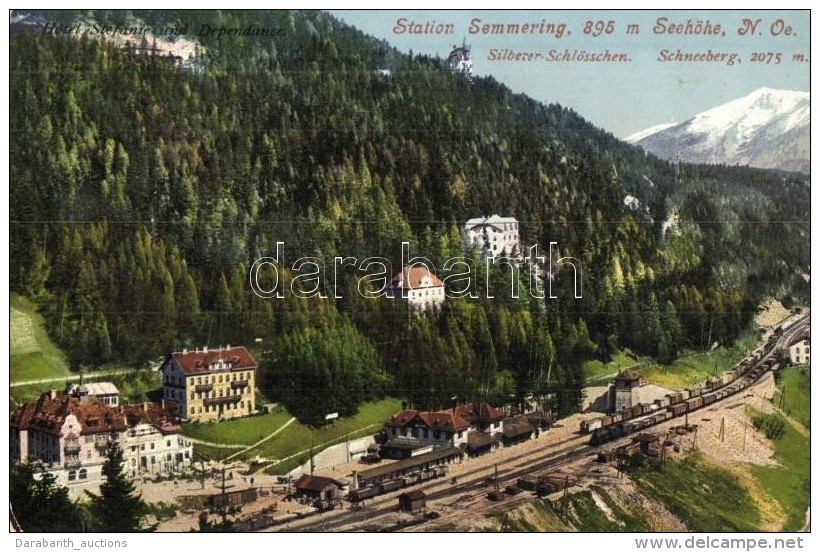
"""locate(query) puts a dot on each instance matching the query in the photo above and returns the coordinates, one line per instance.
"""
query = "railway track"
(471, 484)
(474, 483)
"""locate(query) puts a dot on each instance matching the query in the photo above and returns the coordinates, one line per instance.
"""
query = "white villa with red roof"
(460, 59)
(154, 442)
(476, 426)
(210, 384)
(419, 286)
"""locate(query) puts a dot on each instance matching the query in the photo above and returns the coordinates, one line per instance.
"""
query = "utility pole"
(744, 436)
(566, 502)
(663, 453)
(695, 440)
(223, 506)
(504, 522)
(722, 432)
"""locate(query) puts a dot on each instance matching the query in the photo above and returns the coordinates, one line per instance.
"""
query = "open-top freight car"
(740, 377)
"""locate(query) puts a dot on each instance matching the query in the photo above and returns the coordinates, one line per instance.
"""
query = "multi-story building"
(493, 235)
(800, 352)
(105, 391)
(154, 441)
(210, 384)
(412, 431)
(460, 59)
(422, 289)
(70, 436)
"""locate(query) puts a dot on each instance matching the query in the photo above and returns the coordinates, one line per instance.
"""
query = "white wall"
(335, 455)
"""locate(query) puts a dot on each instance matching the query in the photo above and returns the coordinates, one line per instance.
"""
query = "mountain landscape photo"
(768, 129)
(269, 272)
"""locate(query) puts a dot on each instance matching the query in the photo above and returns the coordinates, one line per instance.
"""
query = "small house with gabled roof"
(419, 286)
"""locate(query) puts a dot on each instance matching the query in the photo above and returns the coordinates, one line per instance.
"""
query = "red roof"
(315, 483)
(480, 412)
(402, 417)
(443, 419)
(412, 278)
(447, 419)
(198, 362)
(48, 414)
(151, 413)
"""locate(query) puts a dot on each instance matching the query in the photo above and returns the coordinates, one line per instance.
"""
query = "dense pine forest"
(142, 192)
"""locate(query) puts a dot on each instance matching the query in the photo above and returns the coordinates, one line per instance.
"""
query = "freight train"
(374, 489)
(404, 473)
(673, 405)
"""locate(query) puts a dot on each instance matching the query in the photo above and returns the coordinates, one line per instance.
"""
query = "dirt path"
(260, 441)
(215, 445)
(76, 377)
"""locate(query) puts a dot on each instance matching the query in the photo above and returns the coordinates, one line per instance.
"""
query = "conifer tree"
(118, 508)
(38, 504)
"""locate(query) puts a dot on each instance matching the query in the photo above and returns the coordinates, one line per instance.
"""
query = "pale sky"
(620, 97)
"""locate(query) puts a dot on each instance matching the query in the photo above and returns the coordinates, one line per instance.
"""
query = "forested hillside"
(141, 193)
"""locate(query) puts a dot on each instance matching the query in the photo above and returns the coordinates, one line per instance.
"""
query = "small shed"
(517, 430)
(412, 501)
(318, 488)
(649, 443)
(399, 449)
(479, 443)
(540, 420)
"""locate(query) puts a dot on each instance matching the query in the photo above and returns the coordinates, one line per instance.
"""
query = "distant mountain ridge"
(767, 129)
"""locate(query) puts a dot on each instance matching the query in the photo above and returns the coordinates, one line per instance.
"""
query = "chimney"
(205, 349)
(145, 407)
(228, 347)
(184, 351)
(52, 394)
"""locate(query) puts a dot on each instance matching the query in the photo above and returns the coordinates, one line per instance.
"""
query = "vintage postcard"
(438, 271)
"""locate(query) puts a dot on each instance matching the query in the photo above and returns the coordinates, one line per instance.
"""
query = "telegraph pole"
(744, 435)
(566, 502)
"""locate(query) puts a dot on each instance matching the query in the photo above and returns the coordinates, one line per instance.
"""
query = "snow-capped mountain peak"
(641, 134)
(767, 128)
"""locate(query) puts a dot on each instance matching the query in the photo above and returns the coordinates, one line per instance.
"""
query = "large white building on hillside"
(460, 59)
(495, 235)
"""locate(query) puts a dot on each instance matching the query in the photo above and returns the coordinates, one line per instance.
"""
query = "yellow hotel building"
(209, 385)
